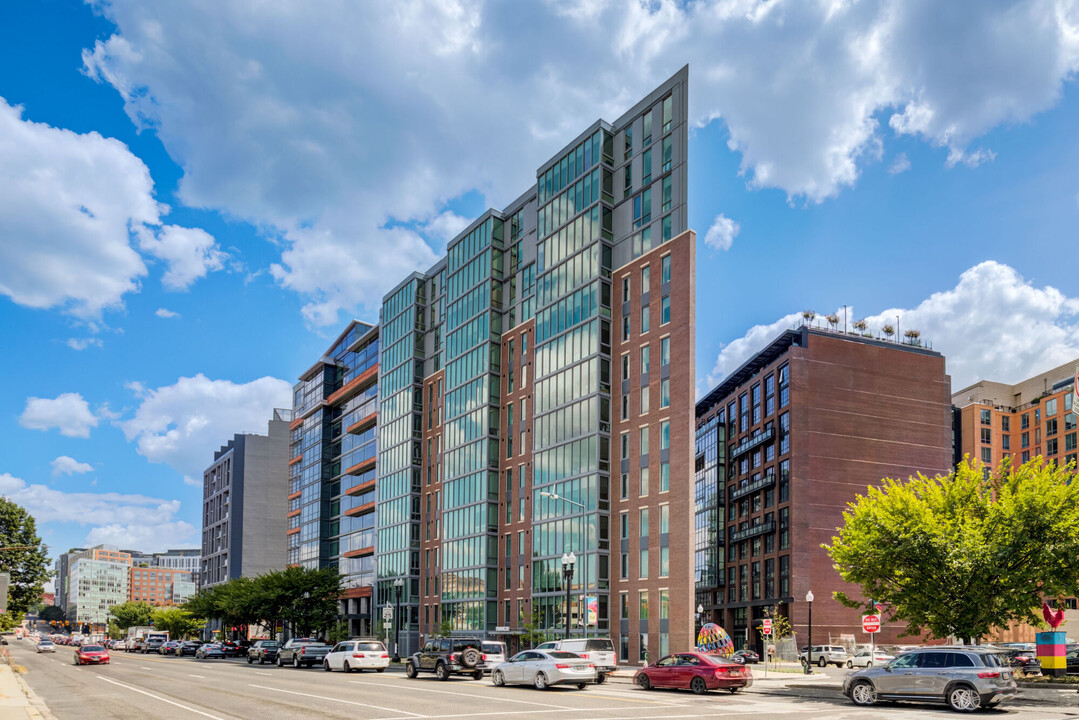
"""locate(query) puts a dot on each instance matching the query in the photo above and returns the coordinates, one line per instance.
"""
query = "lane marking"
(201, 677)
(333, 699)
(158, 697)
(143, 667)
(468, 695)
(259, 672)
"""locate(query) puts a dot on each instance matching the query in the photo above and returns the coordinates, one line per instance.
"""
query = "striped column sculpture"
(1052, 651)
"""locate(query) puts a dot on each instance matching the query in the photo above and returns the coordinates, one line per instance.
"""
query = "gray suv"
(966, 678)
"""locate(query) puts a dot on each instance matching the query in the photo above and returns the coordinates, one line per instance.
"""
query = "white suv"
(826, 655)
(600, 651)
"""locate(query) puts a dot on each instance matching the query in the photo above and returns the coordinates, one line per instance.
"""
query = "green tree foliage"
(131, 614)
(180, 624)
(52, 613)
(305, 599)
(531, 634)
(24, 557)
(781, 624)
(963, 554)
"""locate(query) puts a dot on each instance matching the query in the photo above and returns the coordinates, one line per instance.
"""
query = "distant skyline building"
(244, 506)
(159, 586)
(783, 444)
(98, 578)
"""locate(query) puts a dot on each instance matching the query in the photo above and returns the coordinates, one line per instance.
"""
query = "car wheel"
(498, 678)
(698, 686)
(582, 686)
(850, 664)
(441, 672)
(326, 666)
(822, 662)
(279, 663)
(410, 670)
(863, 693)
(295, 663)
(601, 678)
(541, 681)
(869, 664)
(733, 690)
(250, 659)
(346, 667)
(478, 675)
(644, 682)
(963, 698)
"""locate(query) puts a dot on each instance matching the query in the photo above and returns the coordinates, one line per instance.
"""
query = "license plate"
(580, 667)
(736, 672)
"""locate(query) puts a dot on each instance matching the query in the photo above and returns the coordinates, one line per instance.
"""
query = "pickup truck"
(302, 651)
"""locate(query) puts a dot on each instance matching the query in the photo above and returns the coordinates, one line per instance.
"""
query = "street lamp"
(700, 614)
(809, 649)
(398, 583)
(556, 496)
(568, 562)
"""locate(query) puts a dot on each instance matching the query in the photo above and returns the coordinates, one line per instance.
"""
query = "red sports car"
(91, 655)
(700, 672)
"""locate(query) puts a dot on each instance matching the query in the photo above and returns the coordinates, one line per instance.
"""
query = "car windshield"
(369, 646)
(270, 643)
(563, 655)
(599, 645)
(492, 648)
(92, 648)
(716, 659)
(213, 647)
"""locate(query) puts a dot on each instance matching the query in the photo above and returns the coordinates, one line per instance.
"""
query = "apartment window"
(665, 351)
(1050, 426)
(646, 279)
(642, 208)
(1024, 421)
(644, 441)
(645, 359)
(666, 194)
(1024, 440)
(625, 328)
(644, 522)
(665, 310)
(625, 289)
(646, 167)
(625, 446)
(987, 417)
(644, 481)
(667, 114)
(664, 561)
(646, 323)
(665, 435)
(1051, 446)
(625, 366)
(1069, 442)
(629, 142)
(1025, 456)
(644, 565)
(987, 456)
(665, 393)
(509, 432)
(784, 528)
(625, 486)
(1005, 423)
(667, 229)
(627, 181)
(623, 520)
(1006, 442)
(644, 400)
(987, 436)
(1050, 408)
(625, 407)
(784, 575)
(666, 269)
(667, 154)
(647, 130)
(625, 566)
(665, 476)
(664, 519)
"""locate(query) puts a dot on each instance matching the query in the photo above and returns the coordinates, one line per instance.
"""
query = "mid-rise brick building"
(160, 586)
(783, 444)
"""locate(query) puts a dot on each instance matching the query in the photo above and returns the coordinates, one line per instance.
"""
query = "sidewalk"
(17, 700)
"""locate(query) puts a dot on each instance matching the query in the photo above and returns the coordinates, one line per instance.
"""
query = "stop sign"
(871, 623)
(766, 626)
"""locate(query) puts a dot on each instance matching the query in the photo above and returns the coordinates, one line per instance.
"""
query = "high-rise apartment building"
(185, 559)
(1030, 418)
(535, 399)
(61, 581)
(97, 579)
(783, 444)
(244, 506)
(331, 468)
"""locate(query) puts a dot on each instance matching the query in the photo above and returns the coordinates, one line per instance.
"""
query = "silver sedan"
(544, 668)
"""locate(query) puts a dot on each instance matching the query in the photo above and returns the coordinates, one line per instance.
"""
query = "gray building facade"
(244, 505)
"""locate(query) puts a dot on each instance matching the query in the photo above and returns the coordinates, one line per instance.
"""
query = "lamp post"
(700, 616)
(568, 562)
(809, 648)
(397, 584)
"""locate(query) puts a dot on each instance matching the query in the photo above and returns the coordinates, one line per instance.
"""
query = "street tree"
(963, 554)
(52, 613)
(131, 614)
(24, 558)
(177, 622)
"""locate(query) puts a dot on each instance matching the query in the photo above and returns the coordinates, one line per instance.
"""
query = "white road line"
(158, 697)
(200, 677)
(413, 688)
(541, 712)
(333, 699)
(259, 672)
(143, 667)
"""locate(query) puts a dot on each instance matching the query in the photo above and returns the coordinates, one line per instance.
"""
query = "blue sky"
(195, 197)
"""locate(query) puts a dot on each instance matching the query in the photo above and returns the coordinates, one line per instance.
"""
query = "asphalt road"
(144, 686)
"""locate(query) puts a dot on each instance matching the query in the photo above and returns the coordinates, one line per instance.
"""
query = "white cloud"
(68, 412)
(901, 164)
(722, 233)
(68, 206)
(189, 252)
(166, 313)
(65, 465)
(971, 159)
(83, 343)
(263, 106)
(182, 424)
(445, 227)
(146, 523)
(994, 325)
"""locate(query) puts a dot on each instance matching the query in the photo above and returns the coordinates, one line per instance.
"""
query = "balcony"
(747, 445)
(749, 488)
(754, 531)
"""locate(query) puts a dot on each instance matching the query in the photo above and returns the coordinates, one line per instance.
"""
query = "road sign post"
(871, 625)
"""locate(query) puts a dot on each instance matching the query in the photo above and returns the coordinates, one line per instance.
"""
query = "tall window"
(664, 477)
(665, 310)
(646, 167)
(642, 208)
(647, 127)
(644, 565)
(666, 194)
(667, 154)
(665, 351)
(646, 320)
(665, 393)
(666, 274)
(625, 289)
(645, 359)
(646, 279)
(667, 114)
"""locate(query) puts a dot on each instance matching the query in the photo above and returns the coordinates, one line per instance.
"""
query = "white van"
(600, 651)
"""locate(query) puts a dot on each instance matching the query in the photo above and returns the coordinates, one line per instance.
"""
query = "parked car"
(544, 668)
(231, 648)
(1025, 660)
(964, 677)
(448, 656)
(209, 651)
(1071, 659)
(357, 655)
(168, 648)
(746, 657)
(494, 653)
(823, 655)
(599, 651)
(88, 654)
(302, 652)
(188, 647)
(868, 658)
(263, 651)
(699, 672)
(46, 646)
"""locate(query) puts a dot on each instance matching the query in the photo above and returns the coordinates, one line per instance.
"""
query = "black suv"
(448, 656)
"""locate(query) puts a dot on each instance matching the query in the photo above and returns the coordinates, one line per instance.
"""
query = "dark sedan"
(700, 672)
(746, 657)
(188, 647)
(210, 650)
(168, 648)
(231, 648)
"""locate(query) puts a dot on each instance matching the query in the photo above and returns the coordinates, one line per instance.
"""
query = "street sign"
(766, 626)
(387, 613)
(871, 623)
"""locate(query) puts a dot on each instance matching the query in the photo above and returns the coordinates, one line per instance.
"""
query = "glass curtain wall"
(708, 498)
(571, 425)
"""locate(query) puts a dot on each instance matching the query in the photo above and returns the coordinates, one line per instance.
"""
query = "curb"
(36, 709)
